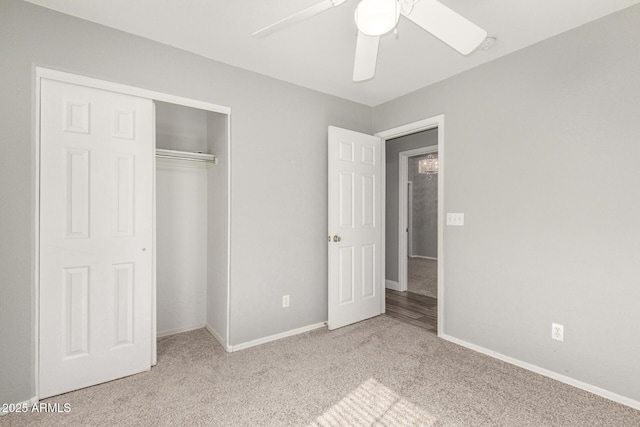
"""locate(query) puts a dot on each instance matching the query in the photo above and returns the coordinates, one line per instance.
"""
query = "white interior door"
(95, 236)
(355, 229)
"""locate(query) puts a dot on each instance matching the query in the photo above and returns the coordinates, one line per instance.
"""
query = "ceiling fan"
(375, 18)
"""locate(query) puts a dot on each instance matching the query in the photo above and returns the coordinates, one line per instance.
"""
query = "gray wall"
(424, 230)
(393, 147)
(542, 154)
(279, 176)
(181, 245)
(181, 128)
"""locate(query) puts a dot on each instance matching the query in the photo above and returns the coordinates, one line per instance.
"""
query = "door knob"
(336, 238)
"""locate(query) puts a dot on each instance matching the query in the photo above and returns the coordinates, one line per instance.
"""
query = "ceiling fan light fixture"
(377, 17)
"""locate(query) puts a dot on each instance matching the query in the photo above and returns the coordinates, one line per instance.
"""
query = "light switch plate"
(455, 219)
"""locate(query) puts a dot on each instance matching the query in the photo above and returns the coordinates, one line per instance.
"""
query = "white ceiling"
(318, 53)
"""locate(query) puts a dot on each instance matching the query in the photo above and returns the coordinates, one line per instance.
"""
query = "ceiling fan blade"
(297, 17)
(453, 29)
(364, 66)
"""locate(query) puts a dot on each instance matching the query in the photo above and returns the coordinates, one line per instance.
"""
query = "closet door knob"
(336, 238)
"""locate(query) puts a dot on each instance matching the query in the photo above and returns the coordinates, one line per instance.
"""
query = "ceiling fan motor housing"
(377, 17)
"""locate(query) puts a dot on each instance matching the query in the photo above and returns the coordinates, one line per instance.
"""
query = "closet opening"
(191, 220)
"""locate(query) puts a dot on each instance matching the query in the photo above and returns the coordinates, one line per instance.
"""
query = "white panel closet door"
(96, 195)
(355, 211)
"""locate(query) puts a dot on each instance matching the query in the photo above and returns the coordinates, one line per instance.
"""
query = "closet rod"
(163, 156)
(185, 155)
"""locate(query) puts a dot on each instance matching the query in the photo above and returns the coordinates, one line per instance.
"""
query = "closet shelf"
(186, 155)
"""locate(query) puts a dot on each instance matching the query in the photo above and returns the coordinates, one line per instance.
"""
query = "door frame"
(396, 132)
(39, 73)
(403, 180)
(409, 205)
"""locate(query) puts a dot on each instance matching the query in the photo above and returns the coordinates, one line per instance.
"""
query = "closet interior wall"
(188, 218)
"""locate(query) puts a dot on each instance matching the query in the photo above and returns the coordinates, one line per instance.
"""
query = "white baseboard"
(547, 373)
(28, 403)
(179, 330)
(218, 338)
(390, 284)
(277, 336)
(424, 257)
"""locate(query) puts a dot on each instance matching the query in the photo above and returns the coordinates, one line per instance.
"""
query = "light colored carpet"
(422, 276)
(376, 372)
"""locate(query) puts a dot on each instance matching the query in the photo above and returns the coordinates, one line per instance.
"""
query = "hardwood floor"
(418, 310)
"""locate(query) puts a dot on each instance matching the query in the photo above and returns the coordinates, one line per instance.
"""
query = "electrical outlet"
(557, 332)
(285, 301)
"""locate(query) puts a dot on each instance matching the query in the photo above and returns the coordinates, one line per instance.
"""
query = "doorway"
(414, 268)
(415, 301)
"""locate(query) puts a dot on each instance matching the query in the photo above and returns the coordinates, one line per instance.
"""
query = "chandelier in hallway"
(428, 165)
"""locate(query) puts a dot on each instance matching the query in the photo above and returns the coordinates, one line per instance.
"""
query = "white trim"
(154, 252)
(383, 225)
(275, 337)
(392, 284)
(409, 190)
(36, 229)
(129, 90)
(429, 123)
(420, 125)
(441, 224)
(174, 331)
(226, 343)
(217, 337)
(40, 73)
(418, 151)
(547, 373)
(403, 180)
(424, 257)
(29, 403)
